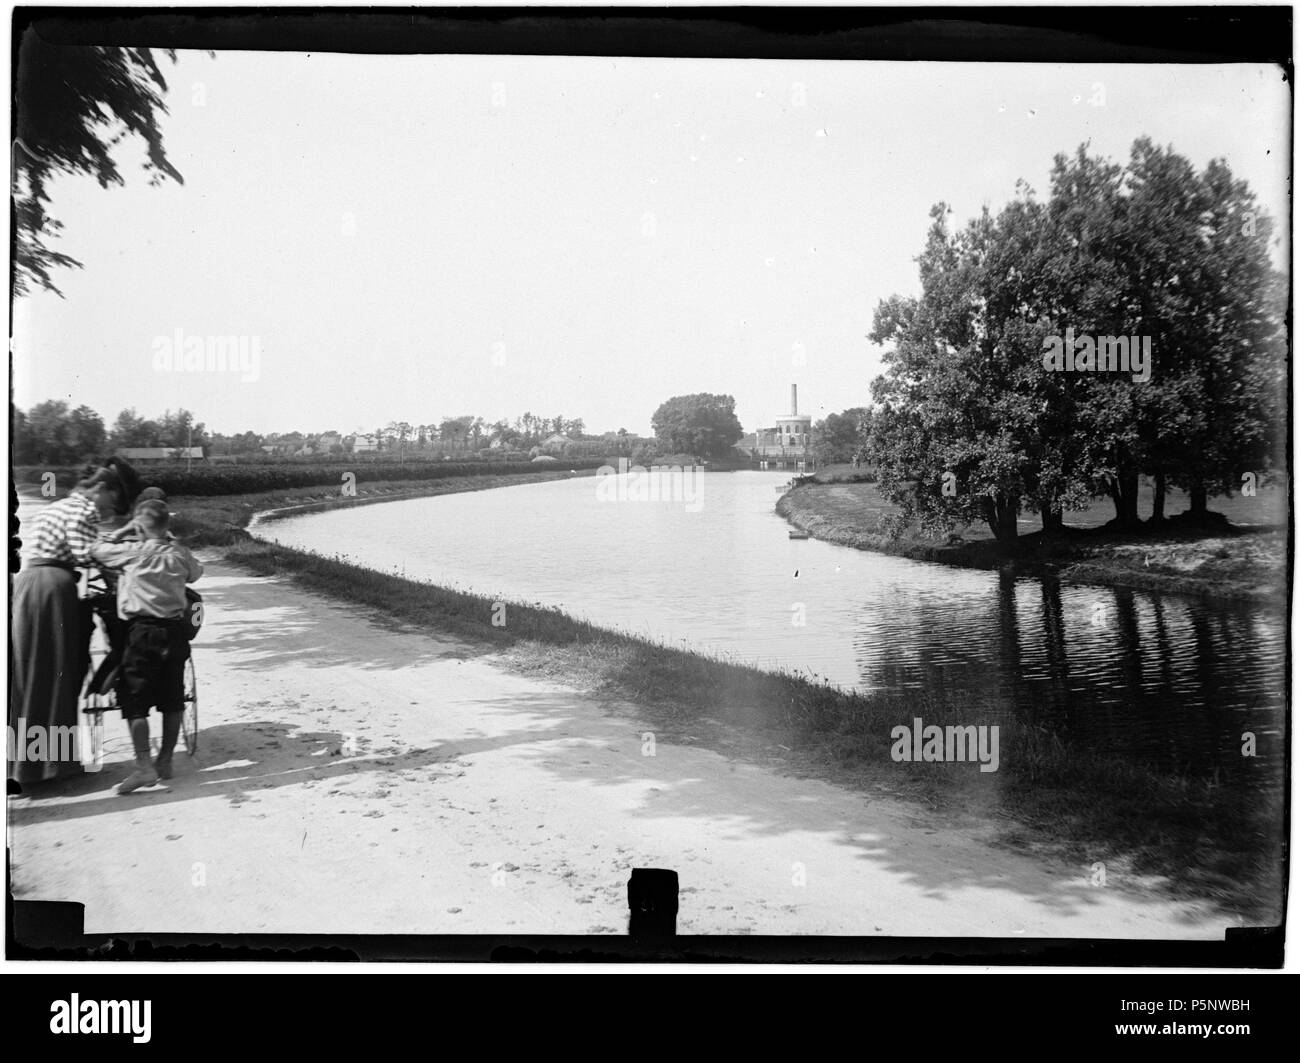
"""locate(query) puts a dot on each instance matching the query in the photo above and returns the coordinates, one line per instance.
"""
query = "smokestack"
(794, 399)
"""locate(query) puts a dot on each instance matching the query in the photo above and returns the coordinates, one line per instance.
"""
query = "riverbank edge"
(302, 509)
(1056, 802)
(224, 520)
(800, 511)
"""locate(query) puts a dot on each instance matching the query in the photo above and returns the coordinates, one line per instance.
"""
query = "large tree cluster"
(972, 419)
(703, 425)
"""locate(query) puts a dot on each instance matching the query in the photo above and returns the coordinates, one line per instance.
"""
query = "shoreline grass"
(223, 520)
(1168, 834)
(1228, 563)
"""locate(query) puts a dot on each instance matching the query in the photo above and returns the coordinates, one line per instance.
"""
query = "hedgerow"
(208, 480)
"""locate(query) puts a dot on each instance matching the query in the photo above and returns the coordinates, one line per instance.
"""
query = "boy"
(151, 602)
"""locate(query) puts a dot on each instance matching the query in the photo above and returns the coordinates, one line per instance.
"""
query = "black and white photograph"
(626, 488)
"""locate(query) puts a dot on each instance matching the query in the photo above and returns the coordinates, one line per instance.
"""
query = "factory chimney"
(794, 399)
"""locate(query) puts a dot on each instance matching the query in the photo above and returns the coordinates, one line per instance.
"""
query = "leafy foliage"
(840, 436)
(74, 105)
(703, 425)
(51, 434)
(970, 424)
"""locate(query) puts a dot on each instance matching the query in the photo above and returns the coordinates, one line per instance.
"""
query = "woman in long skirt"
(48, 632)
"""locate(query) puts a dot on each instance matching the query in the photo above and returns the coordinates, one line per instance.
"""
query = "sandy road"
(357, 778)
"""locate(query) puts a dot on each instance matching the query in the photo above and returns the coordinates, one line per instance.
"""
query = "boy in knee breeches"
(151, 601)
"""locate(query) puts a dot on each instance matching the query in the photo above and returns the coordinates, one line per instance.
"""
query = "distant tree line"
(468, 433)
(699, 427)
(52, 433)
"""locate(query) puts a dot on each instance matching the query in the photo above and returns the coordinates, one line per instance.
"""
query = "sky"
(406, 238)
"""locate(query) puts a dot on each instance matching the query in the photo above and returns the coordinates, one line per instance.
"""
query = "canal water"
(1173, 680)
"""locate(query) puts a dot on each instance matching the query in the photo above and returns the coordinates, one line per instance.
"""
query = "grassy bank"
(1172, 834)
(1243, 558)
(222, 520)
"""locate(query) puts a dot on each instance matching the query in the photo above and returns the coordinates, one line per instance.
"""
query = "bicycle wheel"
(92, 739)
(97, 698)
(190, 719)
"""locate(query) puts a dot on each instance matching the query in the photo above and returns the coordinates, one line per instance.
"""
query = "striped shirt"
(63, 531)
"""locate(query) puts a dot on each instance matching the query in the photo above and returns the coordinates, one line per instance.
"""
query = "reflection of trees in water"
(1169, 690)
(1009, 642)
(1163, 656)
(1168, 681)
(937, 647)
(1209, 663)
(1187, 709)
(1129, 650)
(1058, 659)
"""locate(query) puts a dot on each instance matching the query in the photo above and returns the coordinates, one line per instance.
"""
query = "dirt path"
(355, 778)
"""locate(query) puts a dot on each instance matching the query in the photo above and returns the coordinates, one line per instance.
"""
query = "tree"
(180, 430)
(1155, 251)
(522, 425)
(242, 443)
(51, 434)
(1219, 315)
(840, 436)
(246, 443)
(47, 425)
(131, 430)
(954, 422)
(24, 452)
(74, 105)
(86, 435)
(399, 432)
(972, 420)
(454, 431)
(646, 454)
(703, 425)
(1104, 420)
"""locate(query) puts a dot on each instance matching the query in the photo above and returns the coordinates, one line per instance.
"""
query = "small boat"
(798, 535)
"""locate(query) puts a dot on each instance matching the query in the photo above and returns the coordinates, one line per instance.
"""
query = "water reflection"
(1170, 680)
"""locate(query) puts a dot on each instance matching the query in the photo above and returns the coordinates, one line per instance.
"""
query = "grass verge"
(222, 520)
(1230, 563)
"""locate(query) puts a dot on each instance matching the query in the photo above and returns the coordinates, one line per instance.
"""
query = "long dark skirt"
(47, 666)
